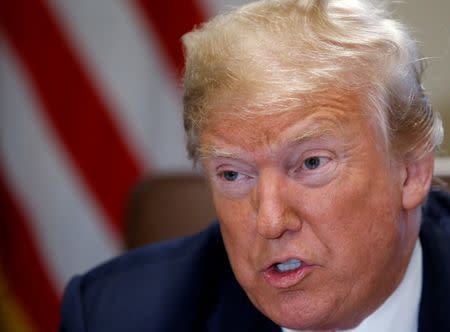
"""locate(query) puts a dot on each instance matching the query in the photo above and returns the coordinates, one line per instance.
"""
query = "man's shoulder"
(435, 231)
(435, 240)
(150, 286)
(159, 257)
(436, 216)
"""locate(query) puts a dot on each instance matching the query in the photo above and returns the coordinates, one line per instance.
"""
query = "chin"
(306, 315)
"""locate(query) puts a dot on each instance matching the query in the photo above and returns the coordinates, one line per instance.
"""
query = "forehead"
(338, 116)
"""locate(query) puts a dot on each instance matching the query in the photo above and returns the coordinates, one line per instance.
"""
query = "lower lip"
(286, 279)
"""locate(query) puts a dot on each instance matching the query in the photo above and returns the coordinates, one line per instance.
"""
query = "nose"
(274, 214)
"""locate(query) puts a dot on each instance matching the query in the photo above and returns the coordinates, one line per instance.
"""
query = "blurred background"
(90, 104)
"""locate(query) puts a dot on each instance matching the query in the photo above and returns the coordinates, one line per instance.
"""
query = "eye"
(315, 168)
(230, 175)
(233, 183)
(314, 162)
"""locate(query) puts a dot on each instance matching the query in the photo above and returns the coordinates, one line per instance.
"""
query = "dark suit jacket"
(188, 285)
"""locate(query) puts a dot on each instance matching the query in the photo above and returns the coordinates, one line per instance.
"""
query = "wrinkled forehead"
(335, 114)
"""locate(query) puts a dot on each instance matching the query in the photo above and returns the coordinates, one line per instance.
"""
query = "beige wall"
(430, 23)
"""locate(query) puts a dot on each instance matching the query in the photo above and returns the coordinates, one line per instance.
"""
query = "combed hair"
(275, 55)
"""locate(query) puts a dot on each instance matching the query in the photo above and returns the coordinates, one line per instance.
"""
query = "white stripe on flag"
(125, 62)
(64, 220)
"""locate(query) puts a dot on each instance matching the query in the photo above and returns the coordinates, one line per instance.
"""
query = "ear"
(417, 181)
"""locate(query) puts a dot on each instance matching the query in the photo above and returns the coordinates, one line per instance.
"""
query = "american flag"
(90, 102)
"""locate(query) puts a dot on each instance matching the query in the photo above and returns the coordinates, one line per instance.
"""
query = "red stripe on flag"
(71, 103)
(24, 271)
(170, 19)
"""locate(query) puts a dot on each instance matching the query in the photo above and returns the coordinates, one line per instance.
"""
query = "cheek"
(231, 212)
(354, 217)
(372, 237)
(239, 238)
(235, 218)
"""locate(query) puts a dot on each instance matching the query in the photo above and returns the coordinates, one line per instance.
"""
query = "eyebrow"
(314, 133)
(212, 151)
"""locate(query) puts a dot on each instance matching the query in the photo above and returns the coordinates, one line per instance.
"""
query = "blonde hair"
(274, 55)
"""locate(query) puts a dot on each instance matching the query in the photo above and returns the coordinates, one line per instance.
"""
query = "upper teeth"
(289, 265)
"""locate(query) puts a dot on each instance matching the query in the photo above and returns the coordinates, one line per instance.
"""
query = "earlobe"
(417, 181)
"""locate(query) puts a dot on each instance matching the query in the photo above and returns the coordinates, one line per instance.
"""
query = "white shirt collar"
(400, 312)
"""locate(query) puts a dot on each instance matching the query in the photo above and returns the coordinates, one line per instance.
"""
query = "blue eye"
(312, 163)
(230, 175)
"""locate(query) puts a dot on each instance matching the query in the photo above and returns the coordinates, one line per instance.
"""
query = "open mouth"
(289, 265)
(286, 273)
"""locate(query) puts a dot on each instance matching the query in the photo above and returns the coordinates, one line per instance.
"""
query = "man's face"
(310, 208)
